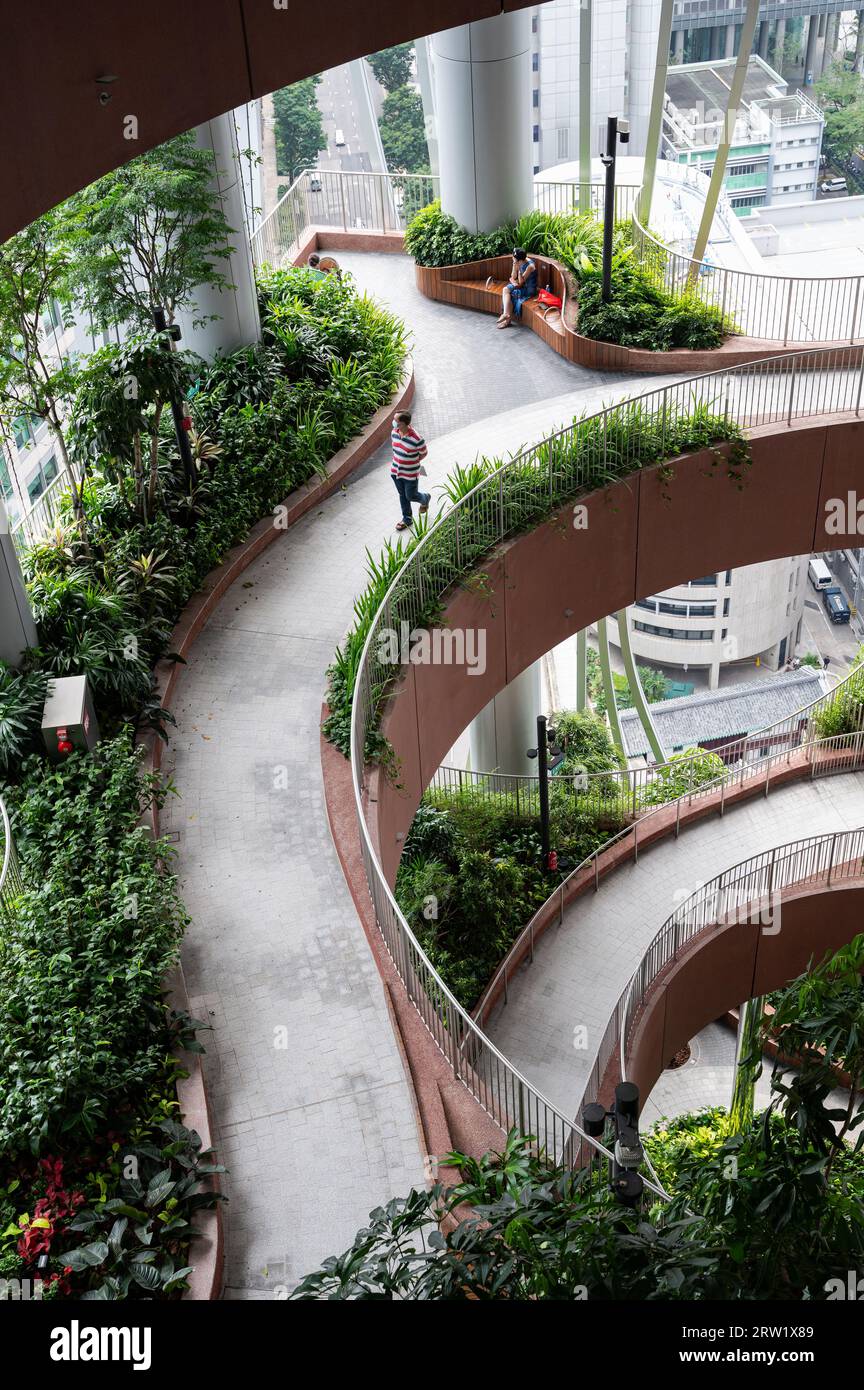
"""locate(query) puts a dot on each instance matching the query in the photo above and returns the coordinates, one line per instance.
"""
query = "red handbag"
(553, 300)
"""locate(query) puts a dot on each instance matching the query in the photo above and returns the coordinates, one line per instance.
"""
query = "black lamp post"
(615, 130)
(626, 1183)
(177, 412)
(544, 767)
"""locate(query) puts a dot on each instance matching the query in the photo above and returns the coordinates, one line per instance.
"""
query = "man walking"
(409, 450)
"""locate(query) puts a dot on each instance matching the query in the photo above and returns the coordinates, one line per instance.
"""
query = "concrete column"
(641, 56)
(482, 74)
(859, 43)
(238, 323)
(17, 628)
(503, 732)
(764, 34)
(678, 45)
(831, 28)
(779, 43)
(810, 50)
(821, 30)
(730, 41)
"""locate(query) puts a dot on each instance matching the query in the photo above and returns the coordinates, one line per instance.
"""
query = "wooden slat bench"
(479, 286)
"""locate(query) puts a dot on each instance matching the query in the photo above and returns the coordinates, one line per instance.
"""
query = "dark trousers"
(409, 491)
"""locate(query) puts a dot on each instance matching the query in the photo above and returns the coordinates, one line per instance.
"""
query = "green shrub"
(434, 237)
(641, 314)
(84, 954)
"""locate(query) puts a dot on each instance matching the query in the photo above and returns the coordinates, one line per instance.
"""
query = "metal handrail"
(774, 390)
(632, 783)
(824, 859)
(10, 878)
(784, 308)
(834, 761)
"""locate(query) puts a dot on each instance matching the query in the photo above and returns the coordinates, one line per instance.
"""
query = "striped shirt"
(408, 450)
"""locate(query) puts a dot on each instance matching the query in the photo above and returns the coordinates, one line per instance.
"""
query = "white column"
(482, 75)
(678, 41)
(503, 732)
(641, 56)
(859, 43)
(730, 41)
(779, 43)
(238, 323)
(17, 628)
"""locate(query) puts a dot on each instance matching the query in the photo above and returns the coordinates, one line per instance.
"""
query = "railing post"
(531, 935)
(561, 906)
(381, 178)
(831, 858)
(852, 335)
(860, 383)
(341, 183)
(678, 818)
(791, 393)
(767, 773)
(635, 842)
(788, 312)
(596, 873)
(723, 796)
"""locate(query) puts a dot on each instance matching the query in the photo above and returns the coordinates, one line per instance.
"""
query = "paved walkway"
(312, 1112)
(581, 968)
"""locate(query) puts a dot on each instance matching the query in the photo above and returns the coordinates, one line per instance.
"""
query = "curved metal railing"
(10, 878)
(593, 451)
(747, 892)
(782, 308)
(631, 792)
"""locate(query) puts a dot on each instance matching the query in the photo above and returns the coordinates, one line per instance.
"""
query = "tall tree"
(299, 130)
(35, 381)
(148, 234)
(392, 66)
(841, 94)
(403, 132)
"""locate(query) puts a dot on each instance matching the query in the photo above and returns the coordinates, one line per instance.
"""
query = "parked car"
(834, 186)
(314, 184)
(835, 605)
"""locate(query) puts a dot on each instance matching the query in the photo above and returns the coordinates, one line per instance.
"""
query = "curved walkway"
(581, 968)
(311, 1108)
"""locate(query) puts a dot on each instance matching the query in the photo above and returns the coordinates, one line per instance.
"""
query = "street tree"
(841, 94)
(392, 66)
(147, 235)
(299, 129)
(403, 132)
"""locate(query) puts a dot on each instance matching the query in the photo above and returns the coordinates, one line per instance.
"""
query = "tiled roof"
(725, 713)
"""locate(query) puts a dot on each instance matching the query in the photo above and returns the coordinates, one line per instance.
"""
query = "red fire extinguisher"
(552, 861)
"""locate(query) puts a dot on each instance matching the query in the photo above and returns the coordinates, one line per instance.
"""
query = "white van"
(820, 575)
(339, 138)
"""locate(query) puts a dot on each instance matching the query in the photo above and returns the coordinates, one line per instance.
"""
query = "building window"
(6, 487)
(708, 579)
(535, 97)
(535, 62)
(564, 142)
(534, 23)
(536, 134)
(22, 432)
(676, 634)
(728, 576)
(725, 608)
(46, 474)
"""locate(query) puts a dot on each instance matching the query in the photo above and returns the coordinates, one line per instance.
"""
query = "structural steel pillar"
(748, 29)
(810, 50)
(748, 1058)
(637, 694)
(582, 670)
(483, 101)
(609, 685)
(655, 118)
(585, 40)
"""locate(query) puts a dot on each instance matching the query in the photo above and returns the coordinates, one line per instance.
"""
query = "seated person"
(522, 286)
(313, 263)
